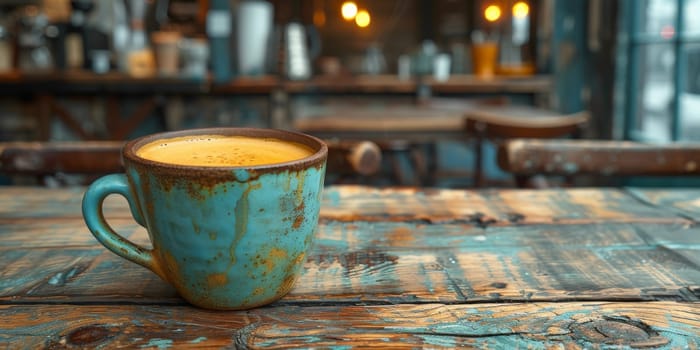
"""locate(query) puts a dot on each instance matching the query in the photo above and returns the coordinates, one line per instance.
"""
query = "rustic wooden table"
(391, 268)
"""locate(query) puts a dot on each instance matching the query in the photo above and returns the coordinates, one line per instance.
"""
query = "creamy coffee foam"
(223, 151)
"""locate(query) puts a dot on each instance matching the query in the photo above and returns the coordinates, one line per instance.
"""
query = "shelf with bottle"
(64, 82)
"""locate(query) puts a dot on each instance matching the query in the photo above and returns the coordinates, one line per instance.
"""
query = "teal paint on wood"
(439, 340)
(15, 280)
(680, 331)
(158, 343)
(332, 197)
(198, 340)
(587, 278)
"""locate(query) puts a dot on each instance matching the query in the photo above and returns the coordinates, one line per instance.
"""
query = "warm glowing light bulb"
(348, 10)
(520, 9)
(492, 13)
(363, 19)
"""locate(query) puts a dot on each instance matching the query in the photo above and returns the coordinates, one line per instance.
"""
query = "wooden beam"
(598, 157)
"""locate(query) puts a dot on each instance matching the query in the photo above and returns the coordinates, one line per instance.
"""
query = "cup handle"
(94, 218)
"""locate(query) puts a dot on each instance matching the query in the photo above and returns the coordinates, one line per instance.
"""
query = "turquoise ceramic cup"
(224, 237)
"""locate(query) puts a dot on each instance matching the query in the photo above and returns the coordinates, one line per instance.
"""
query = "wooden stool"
(498, 123)
(401, 132)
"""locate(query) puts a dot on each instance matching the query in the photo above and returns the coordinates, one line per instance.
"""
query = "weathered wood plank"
(685, 201)
(22, 270)
(60, 232)
(382, 235)
(405, 262)
(532, 325)
(417, 236)
(35, 202)
(358, 203)
(435, 265)
(97, 276)
(500, 207)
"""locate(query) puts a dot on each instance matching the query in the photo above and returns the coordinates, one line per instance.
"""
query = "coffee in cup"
(225, 235)
(223, 151)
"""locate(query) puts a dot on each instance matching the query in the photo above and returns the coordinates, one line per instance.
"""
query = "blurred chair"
(506, 122)
(402, 132)
(78, 163)
(531, 161)
(407, 133)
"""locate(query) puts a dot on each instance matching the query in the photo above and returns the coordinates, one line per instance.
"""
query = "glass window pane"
(655, 95)
(659, 17)
(690, 96)
(690, 22)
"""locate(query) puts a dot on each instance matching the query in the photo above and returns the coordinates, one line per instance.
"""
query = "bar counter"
(74, 82)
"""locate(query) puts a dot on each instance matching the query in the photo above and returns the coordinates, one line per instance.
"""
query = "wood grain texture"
(41, 203)
(361, 203)
(535, 325)
(397, 268)
(489, 207)
(390, 262)
(685, 201)
(58, 232)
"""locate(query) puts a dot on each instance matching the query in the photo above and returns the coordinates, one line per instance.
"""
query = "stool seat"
(523, 122)
(506, 122)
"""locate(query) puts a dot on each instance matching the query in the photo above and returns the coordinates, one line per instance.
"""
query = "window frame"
(634, 38)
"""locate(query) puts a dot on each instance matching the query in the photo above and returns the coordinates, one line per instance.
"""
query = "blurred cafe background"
(405, 74)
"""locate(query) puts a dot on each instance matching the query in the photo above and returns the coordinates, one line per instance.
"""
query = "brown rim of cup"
(318, 157)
